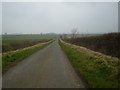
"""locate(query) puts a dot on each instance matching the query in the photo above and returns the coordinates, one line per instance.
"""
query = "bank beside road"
(100, 71)
(10, 58)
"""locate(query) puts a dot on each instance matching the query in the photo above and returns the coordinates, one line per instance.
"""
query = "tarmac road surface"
(47, 68)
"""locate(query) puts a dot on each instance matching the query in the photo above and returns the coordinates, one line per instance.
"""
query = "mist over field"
(59, 17)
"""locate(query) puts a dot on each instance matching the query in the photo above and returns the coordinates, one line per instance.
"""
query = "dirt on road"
(47, 68)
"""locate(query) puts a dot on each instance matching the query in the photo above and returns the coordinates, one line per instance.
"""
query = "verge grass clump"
(100, 70)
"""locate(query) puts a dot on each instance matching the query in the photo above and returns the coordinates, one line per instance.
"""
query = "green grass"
(9, 39)
(101, 72)
(10, 57)
(14, 42)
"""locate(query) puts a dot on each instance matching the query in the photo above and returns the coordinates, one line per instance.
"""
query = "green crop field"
(14, 42)
(8, 39)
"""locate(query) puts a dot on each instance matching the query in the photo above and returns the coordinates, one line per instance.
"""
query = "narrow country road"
(47, 68)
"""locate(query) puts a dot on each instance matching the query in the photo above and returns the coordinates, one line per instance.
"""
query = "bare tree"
(74, 32)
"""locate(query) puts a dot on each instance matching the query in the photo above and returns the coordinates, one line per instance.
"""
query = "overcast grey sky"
(59, 17)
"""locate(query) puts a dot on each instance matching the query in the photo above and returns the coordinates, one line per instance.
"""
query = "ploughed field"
(107, 43)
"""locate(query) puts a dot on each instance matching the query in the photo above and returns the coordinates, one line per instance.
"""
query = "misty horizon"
(36, 18)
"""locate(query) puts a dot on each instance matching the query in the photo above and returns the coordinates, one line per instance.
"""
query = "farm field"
(106, 43)
(9, 39)
(28, 37)
(14, 42)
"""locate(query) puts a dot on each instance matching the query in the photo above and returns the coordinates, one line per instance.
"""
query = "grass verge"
(9, 58)
(101, 71)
